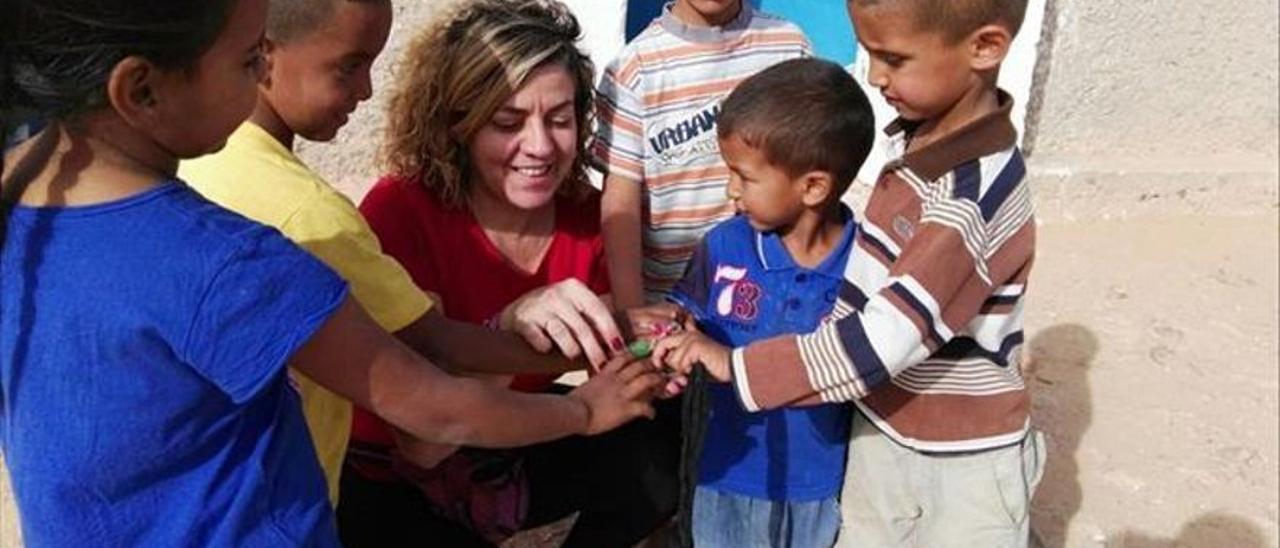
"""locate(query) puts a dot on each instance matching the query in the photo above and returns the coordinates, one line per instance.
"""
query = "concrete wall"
(1173, 103)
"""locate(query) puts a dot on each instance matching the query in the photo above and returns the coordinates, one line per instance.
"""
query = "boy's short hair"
(291, 19)
(804, 115)
(957, 18)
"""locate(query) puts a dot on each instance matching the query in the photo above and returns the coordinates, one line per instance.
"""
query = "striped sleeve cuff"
(741, 382)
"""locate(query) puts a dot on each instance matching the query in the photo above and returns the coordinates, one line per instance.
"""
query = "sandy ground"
(1155, 347)
(1155, 377)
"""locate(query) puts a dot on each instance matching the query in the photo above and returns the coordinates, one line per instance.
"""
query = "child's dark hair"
(57, 55)
(292, 19)
(804, 115)
(956, 19)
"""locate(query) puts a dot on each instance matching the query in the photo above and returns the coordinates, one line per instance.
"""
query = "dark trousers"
(622, 483)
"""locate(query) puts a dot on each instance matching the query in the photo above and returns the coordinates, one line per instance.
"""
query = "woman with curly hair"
(487, 204)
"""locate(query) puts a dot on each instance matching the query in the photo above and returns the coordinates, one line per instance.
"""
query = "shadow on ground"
(1061, 356)
(1212, 530)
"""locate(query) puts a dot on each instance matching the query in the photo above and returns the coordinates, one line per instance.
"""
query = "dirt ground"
(1155, 378)
(1155, 347)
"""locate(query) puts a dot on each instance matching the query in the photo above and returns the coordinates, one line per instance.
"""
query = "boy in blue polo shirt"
(794, 137)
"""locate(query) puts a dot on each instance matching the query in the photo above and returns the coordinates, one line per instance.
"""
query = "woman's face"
(527, 149)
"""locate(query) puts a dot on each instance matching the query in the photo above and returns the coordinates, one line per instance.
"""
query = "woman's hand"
(568, 316)
(681, 351)
(620, 392)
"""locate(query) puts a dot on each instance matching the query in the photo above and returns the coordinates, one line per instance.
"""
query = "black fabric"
(623, 484)
(375, 514)
(694, 417)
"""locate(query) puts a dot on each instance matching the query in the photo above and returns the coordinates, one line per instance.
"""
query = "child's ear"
(269, 49)
(988, 47)
(133, 90)
(817, 188)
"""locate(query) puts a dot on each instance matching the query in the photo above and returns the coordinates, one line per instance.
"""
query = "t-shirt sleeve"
(333, 230)
(618, 148)
(694, 289)
(265, 300)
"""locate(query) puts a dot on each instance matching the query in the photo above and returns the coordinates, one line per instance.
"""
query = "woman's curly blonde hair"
(460, 70)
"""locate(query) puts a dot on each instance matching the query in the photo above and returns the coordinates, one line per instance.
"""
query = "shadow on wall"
(1061, 356)
(1212, 530)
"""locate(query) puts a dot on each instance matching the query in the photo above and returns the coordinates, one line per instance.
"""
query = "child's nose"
(734, 193)
(876, 75)
(364, 89)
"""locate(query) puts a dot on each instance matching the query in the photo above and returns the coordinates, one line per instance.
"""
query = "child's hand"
(682, 350)
(620, 392)
(655, 321)
(676, 382)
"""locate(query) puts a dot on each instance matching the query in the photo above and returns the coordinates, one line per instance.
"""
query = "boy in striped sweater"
(929, 317)
(659, 100)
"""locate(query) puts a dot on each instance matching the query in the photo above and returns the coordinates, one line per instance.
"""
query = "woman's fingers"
(532, 333)
(590, 305)
(585, 336)
(563, 337)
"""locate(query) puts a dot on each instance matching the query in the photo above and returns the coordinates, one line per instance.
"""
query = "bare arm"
(463, 347)
(356, 359)
(621, 225)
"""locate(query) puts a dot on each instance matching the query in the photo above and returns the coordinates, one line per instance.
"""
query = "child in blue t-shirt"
(145, 332)
(793, 136)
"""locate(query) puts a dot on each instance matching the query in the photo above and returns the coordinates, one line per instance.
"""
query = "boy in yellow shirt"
(320, 53)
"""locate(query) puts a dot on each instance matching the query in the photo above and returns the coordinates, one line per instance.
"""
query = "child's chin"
(760, 226)
(322, 135)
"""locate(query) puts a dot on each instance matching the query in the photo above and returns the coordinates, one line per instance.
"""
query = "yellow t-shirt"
(256, 176)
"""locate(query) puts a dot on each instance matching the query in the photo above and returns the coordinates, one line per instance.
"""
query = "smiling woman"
(488, 205)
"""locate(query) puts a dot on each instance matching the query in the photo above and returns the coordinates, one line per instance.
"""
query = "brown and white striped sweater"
(929, 320)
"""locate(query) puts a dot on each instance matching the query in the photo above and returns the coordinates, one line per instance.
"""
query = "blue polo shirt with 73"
(742, 286)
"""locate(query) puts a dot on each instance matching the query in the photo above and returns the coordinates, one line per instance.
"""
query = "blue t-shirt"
(142, 365)
(743, 286)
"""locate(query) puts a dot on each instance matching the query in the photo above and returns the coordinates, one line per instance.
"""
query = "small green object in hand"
(640, 348)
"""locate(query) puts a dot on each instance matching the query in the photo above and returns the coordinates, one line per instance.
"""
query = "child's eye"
(347, 69)
(894, 61)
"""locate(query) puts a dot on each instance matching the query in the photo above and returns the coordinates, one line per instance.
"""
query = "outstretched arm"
(460, 347)
(935, 287)
(353, 357)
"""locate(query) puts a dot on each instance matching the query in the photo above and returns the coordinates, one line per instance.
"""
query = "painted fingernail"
(617, 344)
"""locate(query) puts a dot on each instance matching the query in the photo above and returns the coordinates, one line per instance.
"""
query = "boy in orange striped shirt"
(656, 142)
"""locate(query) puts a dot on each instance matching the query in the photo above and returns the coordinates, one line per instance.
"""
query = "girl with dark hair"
(145, 332)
